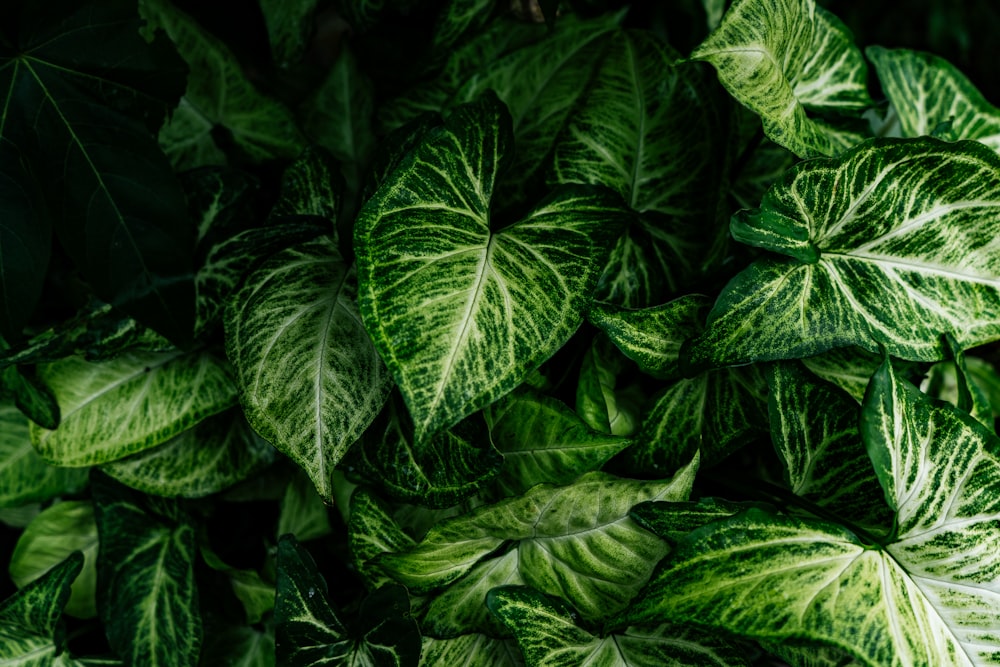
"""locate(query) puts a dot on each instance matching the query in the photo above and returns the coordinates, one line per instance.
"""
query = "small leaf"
(303, 512)
(239, 646)
(604, 406)
(289, 28)
(371, 531)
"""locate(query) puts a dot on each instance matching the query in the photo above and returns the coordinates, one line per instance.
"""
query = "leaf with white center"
(652, 337)
(472, 650)
(926, 91)
(309, 632)
(461, 607)
(784, 57)
(600, 402)
(153, 396)
(925, 595)
(891, 244)
(24, 476)
(31, 634)
(549, 636)
(814, 428)
(146, 596)
(371, 531)
(543, 441)
(207, 458)
(651, 130)
(461, 313)
(48, 540)
(575, 541)
(310, 381)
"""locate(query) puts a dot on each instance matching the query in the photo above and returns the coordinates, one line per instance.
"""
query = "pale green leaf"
(303, 512)
(147, 597)
(207, 458)
(371, 531)
(24, 477)
(461, 313)
(290, 27)
(784, 57)
(600, 402)
(926, 91)
(461, 607)
(714, 9)
(472, 650)
(811, 655)
(48, 540)
(673, 520)
(153, 396)
(904, 251)
(543, 441)
(548, 634)
(309, 379)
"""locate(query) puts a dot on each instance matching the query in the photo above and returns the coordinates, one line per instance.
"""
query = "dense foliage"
(531, 340)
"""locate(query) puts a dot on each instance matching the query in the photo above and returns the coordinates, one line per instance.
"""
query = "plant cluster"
(538, 343)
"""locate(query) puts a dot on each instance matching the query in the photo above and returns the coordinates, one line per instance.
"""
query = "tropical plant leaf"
(951, 381)
(290, 26)
(926, 91)
(371, 530)
(310, 380)
(239, 646)
(849, 368)
(548, 634)
(783, 58)
(461, 609)
(673, 520)
(543, 441)
(457, 20)
(601, 403)
(31, 395)
(303, 512)
(441, 292)
(875, 265)
(154, 396)
(254, 593)
(472, 650)
(576, 541)
(146, 596)
(51, 538)
(308, 631)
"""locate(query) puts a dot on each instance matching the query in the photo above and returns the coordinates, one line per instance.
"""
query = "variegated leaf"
(781, 58)
(951, 381)
(601, 403)
(892, 244)
(461, 607)
(290, 27)
(461, 313)
(472, 650)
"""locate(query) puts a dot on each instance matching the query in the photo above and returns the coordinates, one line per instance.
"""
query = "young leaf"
(950, 381)
(308, 631)
(926, 90)
(461, 313)
(50, 538)
(547, 632)
(472, 650)
(153, 395)
(146, 593)
(784, 57)
(310, 380)
(900, 253)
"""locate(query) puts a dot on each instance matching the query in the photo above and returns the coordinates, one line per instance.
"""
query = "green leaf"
(576, 541)
(24, 476)
(31, 634)
(542, 440)
(254, 593)
(547, 632)
(603, 405)
(899, 256)
(77, 122)
(461, 313)
(308, 631)
(926, 90)
(218, 95)
(290, 26)
(457, 20)
(310, 380)
(50, 538)
(925, 596)
(461, 607)
(239, 646)
(147, 597)
(371, 531)
(472, 650)
(153, 395)
(673, 520)
(783, 58)
(849, 368)
(207, 458)
(303, 512)
(950, 381)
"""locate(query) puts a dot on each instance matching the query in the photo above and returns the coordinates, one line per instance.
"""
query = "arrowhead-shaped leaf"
(889, 245)
(783, 57)
(461, 313)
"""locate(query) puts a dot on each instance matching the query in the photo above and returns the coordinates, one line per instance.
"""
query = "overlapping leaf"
(472, 650)
(892, 244)
(461, 313)
(372, 531)
(290, 26)
(784, 57)
(601, 402)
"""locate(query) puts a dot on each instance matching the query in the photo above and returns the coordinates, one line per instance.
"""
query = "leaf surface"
(24, 476)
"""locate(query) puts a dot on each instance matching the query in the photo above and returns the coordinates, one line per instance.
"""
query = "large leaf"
(926, 91)
(926, 595)
(549, 636)
(146, 593)
(783, 57)
(309, 632)
(575, 541)
(472, 650)
(310, 380)
(889, 245)
(152, 395)
(83, 91)
(461, 313)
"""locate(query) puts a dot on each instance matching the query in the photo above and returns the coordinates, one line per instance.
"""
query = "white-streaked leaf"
(892, 244)
(310, 380)
(371, 531)
(472, 650)
(784, 57)
(461, 313)
(152, 395)
(461, 607)
(926, 91)
(601, 403)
